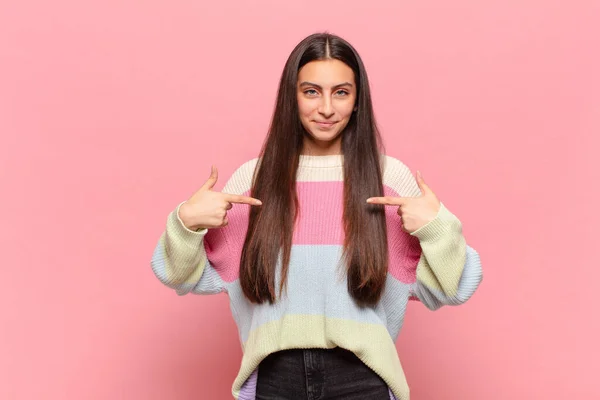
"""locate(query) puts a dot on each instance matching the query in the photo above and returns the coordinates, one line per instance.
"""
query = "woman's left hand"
(415, 212)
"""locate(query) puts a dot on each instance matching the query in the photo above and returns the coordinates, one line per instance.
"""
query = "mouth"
(326, 124)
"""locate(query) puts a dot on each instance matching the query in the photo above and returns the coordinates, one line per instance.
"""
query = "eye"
(310, 92)
(342, 92)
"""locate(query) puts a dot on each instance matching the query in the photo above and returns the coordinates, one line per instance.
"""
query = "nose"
(325, 108)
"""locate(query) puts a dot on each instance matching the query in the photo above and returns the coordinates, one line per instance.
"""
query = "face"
(326, 94)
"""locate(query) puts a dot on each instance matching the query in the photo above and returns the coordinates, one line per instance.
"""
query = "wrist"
(186, 218)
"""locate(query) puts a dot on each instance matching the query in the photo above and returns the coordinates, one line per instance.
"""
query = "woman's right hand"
(208, 209)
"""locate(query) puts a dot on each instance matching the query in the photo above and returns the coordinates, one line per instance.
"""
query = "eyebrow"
(318, 86)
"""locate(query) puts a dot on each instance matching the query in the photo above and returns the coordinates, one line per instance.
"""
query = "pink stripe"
(321, 211)
(404, 249)
(224, 245)
(320, 223)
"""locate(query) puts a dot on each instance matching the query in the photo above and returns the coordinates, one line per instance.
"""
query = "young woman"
(319, 242)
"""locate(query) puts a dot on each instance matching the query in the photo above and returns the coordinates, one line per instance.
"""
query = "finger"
(212, 180)
(237, 199)
(386, 200)
(422, 185)
(229, 206)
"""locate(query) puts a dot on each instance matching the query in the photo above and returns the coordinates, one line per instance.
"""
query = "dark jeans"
(318, 374)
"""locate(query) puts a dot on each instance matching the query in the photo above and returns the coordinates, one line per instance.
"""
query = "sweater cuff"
(179, 230)
(443, 223)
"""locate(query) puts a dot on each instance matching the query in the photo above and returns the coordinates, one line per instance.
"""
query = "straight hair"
(270, 229)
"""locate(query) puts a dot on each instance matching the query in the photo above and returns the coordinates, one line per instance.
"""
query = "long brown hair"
(270, 228)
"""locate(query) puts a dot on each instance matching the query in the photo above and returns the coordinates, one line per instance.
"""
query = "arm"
(449, 271)
(180, 259)
(180, 262)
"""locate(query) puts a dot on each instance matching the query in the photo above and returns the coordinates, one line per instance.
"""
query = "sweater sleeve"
(449, 271)
(180, 261)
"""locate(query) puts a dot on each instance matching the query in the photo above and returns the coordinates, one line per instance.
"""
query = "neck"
(312, 147)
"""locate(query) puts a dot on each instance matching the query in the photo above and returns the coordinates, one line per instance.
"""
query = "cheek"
(346, 110)
(304, 107)
(304, 112)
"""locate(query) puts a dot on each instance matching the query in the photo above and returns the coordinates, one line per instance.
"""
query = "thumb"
(422, 185)
(212, 180)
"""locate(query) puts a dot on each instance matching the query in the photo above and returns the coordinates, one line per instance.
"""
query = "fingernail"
(258, 203)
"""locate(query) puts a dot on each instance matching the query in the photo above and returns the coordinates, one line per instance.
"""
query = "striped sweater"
(433, 265)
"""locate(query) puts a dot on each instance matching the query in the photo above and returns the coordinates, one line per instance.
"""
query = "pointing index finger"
(238, 199)
(386, 200)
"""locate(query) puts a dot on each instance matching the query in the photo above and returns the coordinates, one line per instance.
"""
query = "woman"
(320, 242)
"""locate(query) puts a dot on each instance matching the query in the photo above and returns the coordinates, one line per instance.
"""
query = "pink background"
(111, 113)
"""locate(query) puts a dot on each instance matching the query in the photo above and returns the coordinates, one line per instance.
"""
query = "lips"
(326, 123)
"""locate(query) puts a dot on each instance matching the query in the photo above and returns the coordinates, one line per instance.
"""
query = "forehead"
(326, 73)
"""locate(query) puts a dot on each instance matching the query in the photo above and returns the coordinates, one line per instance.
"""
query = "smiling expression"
(326, 93)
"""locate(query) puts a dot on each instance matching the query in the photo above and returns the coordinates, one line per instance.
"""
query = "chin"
(324, 136)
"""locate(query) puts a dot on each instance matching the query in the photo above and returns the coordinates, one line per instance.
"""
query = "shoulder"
(241, 180)
(398, 177)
